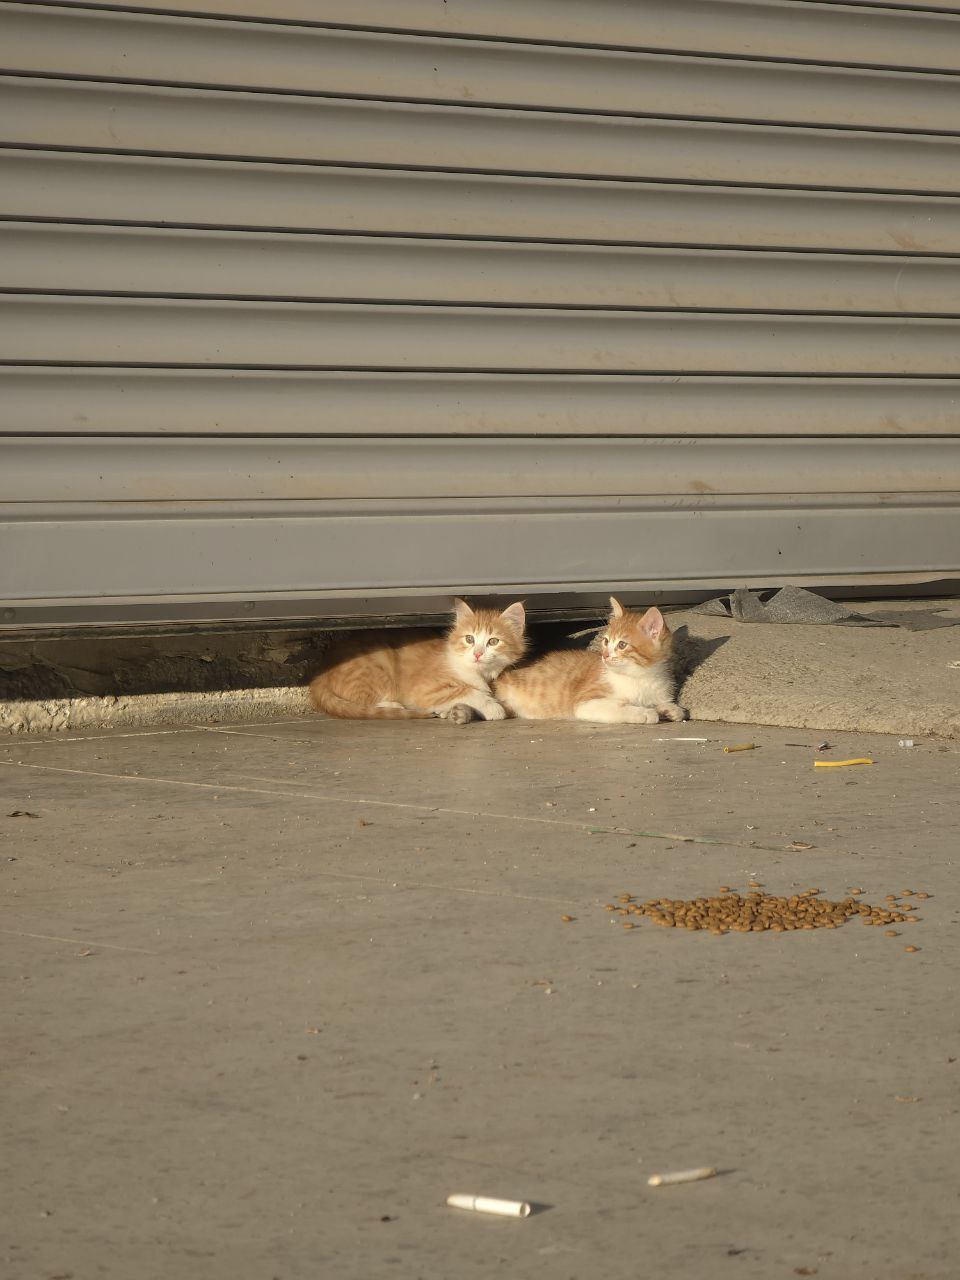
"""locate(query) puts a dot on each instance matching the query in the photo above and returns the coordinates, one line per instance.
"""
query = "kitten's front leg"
(613, 711)
(484, 704)
(493, 710)
(670, 711)
(487, 707)
(460, 713)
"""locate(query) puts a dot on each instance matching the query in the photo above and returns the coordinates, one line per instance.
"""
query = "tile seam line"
(140, 733)
(324, 798)
(143, 733)
(86, 942)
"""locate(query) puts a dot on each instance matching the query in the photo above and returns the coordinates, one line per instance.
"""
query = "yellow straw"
(838, 764)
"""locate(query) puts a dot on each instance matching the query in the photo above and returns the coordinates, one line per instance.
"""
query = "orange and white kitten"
(413, 675)
(628, 679)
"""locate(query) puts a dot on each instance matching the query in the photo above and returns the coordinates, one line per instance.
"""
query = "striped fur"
(415, 675)
(626, 679)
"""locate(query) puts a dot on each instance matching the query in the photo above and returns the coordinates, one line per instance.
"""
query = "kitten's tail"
(332, 704)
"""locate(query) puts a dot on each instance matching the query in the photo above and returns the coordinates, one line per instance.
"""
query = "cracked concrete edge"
(150, 710)
(235, 706)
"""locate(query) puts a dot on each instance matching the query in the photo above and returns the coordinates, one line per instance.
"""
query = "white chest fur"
(477, 675)
(650, 687)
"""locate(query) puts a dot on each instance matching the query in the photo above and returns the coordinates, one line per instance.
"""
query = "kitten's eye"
(468, 639)
(622, 644)
(493, 640)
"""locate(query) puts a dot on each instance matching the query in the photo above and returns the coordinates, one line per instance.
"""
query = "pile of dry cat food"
(755, 912)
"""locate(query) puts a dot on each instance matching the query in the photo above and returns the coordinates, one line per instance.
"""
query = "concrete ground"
(273, 992)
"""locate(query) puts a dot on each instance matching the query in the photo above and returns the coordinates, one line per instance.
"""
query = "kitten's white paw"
(670, 711)
(641, 715)
(460, 714)
(493, 711)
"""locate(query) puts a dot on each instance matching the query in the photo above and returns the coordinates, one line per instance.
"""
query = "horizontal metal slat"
(530, 545)
(170, 615)
(330, 335)
(212, 402)
(151, 47)
(97, 470)
(58, 400)
(216, 192)
(108, 259)
(61, 113)
(779, 28)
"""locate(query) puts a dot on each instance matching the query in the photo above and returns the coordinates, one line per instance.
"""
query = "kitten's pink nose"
(478, 654)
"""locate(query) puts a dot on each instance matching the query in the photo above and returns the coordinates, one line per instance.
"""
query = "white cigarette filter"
(486, 1204)
(684, 1175)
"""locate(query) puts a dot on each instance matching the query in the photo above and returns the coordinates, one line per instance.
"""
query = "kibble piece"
(922, 895)
(725, 888)
(906, 893)
(911, 948)
(609, 907)
(566, 919)
(628, 924)
(891, 933)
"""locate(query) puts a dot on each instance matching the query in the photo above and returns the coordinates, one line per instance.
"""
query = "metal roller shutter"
(333, 309)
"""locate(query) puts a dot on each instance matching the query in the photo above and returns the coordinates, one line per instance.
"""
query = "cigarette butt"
(839, 764)
(485, 1204)
(740, 746)
(685, 1175)
(681, 739)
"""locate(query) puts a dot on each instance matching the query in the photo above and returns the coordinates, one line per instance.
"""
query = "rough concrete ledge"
(874, 680)
(150, 710)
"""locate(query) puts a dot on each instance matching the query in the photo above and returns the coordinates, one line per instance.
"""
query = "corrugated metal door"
(337, 306)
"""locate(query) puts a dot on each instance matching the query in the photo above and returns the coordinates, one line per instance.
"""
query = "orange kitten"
(626, 680)
(413, 675)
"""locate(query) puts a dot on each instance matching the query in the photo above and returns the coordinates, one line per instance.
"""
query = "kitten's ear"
(461, 610)
(616, 608)
(515, 615)
(653, 625)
